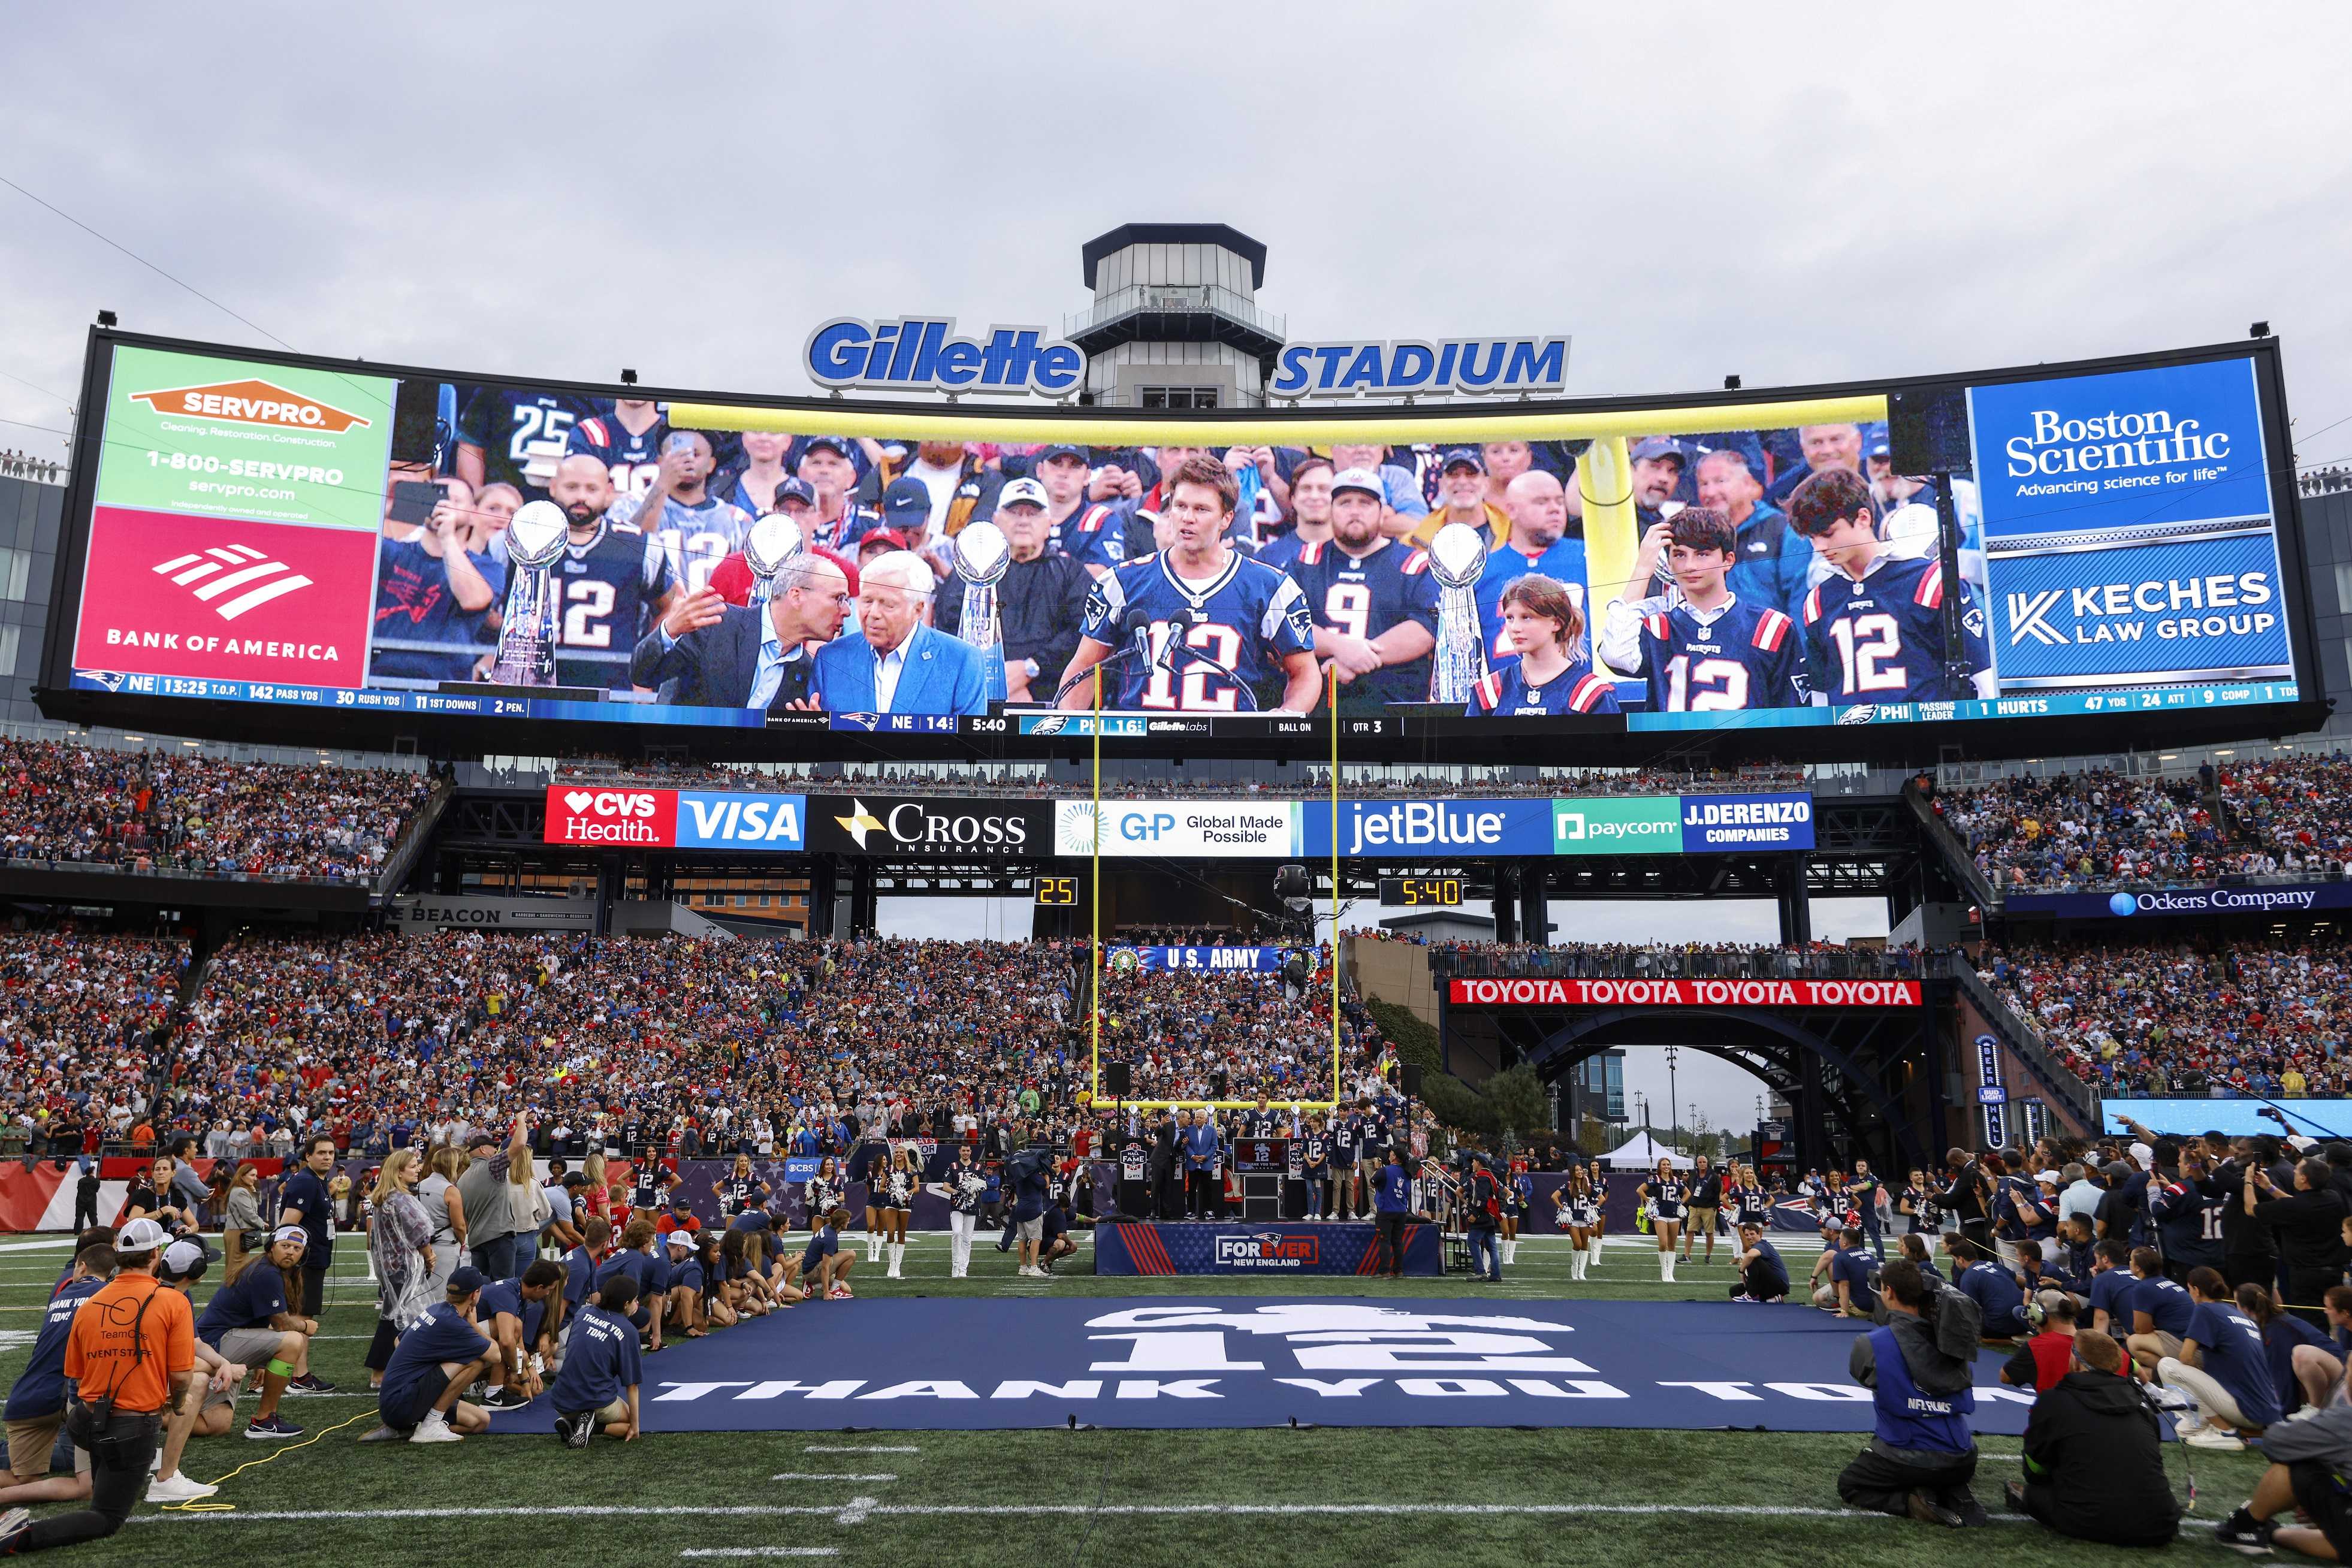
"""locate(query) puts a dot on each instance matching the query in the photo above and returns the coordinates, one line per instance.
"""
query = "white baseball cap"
(1363, 479)
(140, 1236)
(1022, 492)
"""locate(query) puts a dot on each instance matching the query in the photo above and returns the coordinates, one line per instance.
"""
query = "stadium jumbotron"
(1168, 935)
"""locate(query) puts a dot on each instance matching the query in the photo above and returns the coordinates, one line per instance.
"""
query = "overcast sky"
(1691, 191)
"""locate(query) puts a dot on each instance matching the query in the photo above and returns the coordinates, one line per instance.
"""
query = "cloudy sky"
(1811, 193)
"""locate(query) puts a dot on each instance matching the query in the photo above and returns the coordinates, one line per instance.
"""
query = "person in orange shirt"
(132, 1352)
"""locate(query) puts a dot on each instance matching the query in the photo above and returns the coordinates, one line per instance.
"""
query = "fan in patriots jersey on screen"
(1874, 628)
(613, 581)
(1548, 674)
(1214, 625)
(627, 441)
(1373, 600)
(1702, 647)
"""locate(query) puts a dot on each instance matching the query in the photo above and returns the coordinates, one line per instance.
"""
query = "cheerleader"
(897, 1203)
(821, 1192)
(1579, 1216)
(1664, 1193)
(735, 1268)
(963, 1189)
(873, 1156)
(1596, 1181)
(1751, 1204)
(734, 1190)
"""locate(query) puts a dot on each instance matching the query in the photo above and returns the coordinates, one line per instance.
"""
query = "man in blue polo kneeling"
(1922, 1454)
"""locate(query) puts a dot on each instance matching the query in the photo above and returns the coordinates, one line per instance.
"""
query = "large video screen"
(295, 532)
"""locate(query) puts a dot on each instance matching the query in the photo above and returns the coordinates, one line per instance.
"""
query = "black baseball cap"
(1063, 450)
(839, 444)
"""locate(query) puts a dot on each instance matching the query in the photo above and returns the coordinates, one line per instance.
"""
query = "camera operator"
(1921, 1456)
(131, 1351)
(2309, 1224)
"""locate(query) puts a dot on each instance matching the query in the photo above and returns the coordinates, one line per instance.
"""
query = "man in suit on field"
(898, 665)
(707, 653)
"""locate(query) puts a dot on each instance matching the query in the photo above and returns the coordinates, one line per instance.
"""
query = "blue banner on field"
(1259, 1249)
(798, 1168)
(1747, 822)
(1234, 960)
(2269, 898)
(979, 1365)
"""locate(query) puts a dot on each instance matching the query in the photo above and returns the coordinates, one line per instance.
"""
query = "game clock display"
(1422, 892)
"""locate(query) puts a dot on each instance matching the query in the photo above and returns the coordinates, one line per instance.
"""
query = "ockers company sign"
(1532, 993)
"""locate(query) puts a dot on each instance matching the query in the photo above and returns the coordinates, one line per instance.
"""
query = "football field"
(1309, 1495)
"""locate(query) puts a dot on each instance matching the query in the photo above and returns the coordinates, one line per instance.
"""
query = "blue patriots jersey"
(1741, 656)
(604, 589)
(1097, 534)
(522, 435)
(1505, 693)
(631, 460)
(1252, 617)
(1281, 552)
(1880, 639)
(1365, 596)
(1562, 560)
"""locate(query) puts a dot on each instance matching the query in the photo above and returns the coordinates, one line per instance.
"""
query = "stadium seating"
(2266, 1017)
(155, 811)
(77, 1012)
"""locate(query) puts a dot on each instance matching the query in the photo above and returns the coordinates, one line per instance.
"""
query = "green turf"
(1052, 1497)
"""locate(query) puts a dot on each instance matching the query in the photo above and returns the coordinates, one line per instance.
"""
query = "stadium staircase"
(1955, 855)
(409, 848)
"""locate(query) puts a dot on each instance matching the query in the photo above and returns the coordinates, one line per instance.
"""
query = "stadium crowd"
(2267, 1017)
(2283, 816)
(78, 1015)
(61, 802)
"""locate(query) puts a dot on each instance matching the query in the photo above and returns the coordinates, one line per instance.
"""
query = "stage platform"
(1181, 1248)
(950, 1363)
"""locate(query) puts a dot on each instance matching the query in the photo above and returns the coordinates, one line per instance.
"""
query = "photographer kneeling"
(1921, 1456)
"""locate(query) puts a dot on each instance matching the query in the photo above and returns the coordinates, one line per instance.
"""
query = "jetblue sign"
(923, 354)
(1412, 368)
(1409, 829)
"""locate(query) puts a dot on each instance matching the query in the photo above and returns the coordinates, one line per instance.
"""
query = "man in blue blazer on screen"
(898, 665)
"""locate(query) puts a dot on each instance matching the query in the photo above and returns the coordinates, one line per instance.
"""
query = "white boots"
(1577, 1259)
(897, 1256)
(1666, 1266)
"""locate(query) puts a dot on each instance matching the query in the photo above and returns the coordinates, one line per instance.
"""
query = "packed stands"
(1680, 960)
(2267, 1016)
(2090, 829)
(159, 810)
(76, 1013)
(2294, 810)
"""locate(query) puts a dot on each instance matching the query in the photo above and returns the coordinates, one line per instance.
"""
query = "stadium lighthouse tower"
(1175, 322)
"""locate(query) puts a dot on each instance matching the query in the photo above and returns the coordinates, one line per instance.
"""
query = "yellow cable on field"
(206, 1505)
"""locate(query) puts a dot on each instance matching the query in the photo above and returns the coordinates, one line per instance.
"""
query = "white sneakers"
(1031, 1271)
(434, 1429)
(2209, 1436)
(177, 1488)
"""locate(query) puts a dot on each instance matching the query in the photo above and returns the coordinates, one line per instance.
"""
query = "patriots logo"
(1861, 713)
(862, 720)
(107, 678)
(1974, 619)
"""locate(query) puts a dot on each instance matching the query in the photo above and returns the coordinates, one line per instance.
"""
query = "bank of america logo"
(225, 568)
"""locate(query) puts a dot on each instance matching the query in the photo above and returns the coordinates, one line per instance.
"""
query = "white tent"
(1643, 1154)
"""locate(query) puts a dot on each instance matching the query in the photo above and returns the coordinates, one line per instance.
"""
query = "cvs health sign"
(611, 816)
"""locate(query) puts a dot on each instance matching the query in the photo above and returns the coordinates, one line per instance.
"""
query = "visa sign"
(1411, 367)
(726, 819)
(922, 354)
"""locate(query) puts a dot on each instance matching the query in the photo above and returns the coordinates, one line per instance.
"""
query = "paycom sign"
(2130, 537)
(1617, 825)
